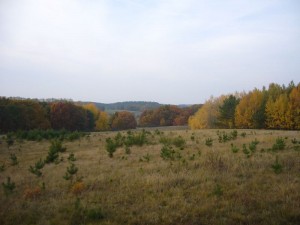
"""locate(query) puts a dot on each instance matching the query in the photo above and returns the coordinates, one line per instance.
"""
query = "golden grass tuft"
(77, 188)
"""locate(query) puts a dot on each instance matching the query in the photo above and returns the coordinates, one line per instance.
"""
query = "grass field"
(205, 177)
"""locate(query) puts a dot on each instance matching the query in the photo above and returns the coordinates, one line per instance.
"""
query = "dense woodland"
(275, 107)
(168, 115)
(25, 114)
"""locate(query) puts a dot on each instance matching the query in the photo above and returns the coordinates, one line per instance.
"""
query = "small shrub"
(234, 134)
(52, 156)
(54, 150)
(71, 171)
(9, 186)
(36, 169)
(179, 142)
(246, 151)
(167, 152)
(208, 142)
(234, 149)
(224, 137)
(13, 159)
(279, 144)
(253, 144)
(110, 147)
(243, 134)
(277, 167)
(71, 157)
(56, 145)
(119, 139)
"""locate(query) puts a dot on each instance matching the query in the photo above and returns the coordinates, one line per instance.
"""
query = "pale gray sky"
(169, 51)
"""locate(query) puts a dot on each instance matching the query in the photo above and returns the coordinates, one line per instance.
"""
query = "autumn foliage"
(123, 120)
(277, 107)
(30, 114)
(168, 115)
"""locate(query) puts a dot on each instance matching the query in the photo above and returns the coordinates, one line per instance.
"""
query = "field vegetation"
(153, 176)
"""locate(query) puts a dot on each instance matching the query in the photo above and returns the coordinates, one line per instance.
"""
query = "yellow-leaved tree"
(102, 123)
(248, 111)
(207, 115)
(278, 115)
(101, 118)
(294, 107)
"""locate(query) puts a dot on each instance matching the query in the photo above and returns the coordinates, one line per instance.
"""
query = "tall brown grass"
(206, 185)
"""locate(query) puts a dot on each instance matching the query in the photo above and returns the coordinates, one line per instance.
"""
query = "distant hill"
(128, 106)
(136, 107)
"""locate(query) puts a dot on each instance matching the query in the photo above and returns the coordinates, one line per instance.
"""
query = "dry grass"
(207, 185)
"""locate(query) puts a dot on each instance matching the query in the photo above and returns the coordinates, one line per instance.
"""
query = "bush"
(234, 149)
(13, 159)
(167, 152)
(253, 144)
(71, 171)
(179, 142)
(246, 151)
(277, 167)
(224, 137)
(56, 145)
(36, 169)
(54, 149)
(279, 144)
(110, 147)
(71, 157)
(234, 134)
(208, 142)
(9, 186)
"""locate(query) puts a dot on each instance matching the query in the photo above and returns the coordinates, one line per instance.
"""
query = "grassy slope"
(208, 185)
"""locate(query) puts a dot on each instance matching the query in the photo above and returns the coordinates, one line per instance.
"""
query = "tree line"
(26, 114)
(167, 115)
(17, 114)
(275, 107)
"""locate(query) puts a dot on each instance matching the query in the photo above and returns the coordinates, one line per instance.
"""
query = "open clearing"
(243, 180)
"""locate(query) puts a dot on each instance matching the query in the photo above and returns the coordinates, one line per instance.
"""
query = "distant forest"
(275, 107)
(28, 114)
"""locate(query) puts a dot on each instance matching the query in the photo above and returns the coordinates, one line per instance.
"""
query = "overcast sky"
(169, 51)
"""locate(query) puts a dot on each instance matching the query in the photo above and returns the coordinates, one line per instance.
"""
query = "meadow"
(153, 176)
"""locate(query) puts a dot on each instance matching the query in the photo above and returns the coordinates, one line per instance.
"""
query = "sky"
(168, 51)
